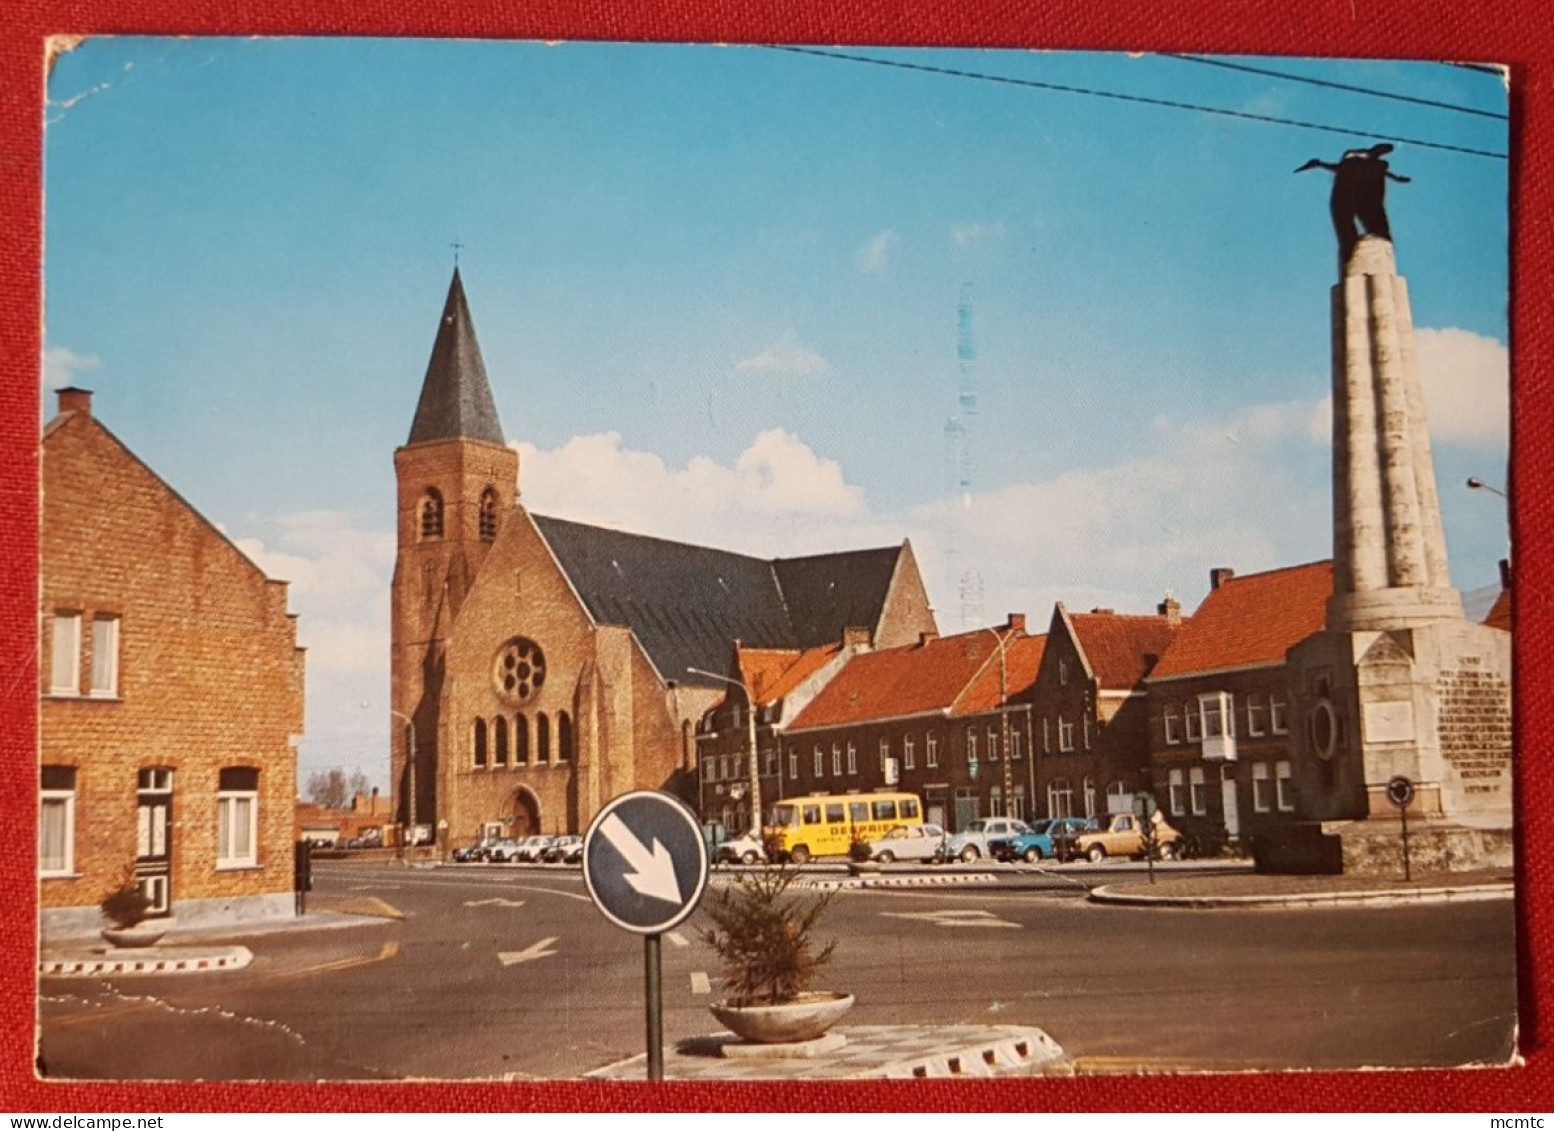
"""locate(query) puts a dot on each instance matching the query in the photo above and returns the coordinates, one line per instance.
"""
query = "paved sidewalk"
(1253, 889)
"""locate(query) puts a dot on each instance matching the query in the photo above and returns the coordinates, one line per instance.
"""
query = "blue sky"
(717, 288)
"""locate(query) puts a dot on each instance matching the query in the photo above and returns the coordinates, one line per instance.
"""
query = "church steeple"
(456, 402)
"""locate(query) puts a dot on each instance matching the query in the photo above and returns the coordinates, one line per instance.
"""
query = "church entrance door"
(526, 814)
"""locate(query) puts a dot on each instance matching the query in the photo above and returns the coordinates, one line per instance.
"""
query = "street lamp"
(1003, 716)
(410, 767)
(755, 769)
(1477, 484)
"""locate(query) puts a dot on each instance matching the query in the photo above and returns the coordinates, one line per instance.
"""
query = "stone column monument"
(1399, 683)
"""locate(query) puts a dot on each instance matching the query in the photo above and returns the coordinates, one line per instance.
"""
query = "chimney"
(1505, 573)
(1103, 612)
(1171, 609)
(1219, 575)
(926, 638)
(72, 399)
(1016, 622)
(854, 636)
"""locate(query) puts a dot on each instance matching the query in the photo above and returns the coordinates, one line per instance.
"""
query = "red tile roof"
(773, 672)
(1122, 648)
(1022, 662)
(1500, 612)
(1251, 621)
(897, 682)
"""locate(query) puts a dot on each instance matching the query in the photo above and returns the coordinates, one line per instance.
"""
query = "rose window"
(520, 669)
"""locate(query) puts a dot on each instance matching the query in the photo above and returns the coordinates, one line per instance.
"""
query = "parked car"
(1041, 842)
(740, 850)
(971, 843)
(367, 838)
(1121, 834)
(531, 849)
(908, 842)
(503, 850)
(557, 851)
(471, 853)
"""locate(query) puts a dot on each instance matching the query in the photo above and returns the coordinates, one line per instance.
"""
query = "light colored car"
(908, 842)
(740, 850)
(503, 851)
(561, 850)
(1121, 834)
(971, 843)
(531, 849)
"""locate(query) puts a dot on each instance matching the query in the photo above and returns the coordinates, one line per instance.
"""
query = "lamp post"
(1003, 716)
(755, 768)
(1477, 484)
(410, 767)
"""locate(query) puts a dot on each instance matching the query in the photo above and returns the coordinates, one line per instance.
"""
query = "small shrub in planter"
(763, 933)
(858, 851)
(126, 905)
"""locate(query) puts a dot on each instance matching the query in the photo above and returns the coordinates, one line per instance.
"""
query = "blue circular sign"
(645, 861)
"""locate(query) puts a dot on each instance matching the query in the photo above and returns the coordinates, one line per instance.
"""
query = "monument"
(1399, 683)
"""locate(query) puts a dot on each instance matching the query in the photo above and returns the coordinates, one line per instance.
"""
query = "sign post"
(1400, 791)
(1144, 807)
(645, 864)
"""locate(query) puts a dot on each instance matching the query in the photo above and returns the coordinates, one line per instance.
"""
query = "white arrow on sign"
(512, 957)
(652, 873)
(498, 901)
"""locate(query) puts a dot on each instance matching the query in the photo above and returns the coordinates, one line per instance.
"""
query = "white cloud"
(875, 254)
(1467, 383)
(970, 234)
(61, 365)
(786, 360)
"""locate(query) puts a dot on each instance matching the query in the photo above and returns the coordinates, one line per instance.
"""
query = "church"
(541, 666)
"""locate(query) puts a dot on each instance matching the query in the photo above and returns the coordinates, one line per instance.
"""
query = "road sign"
(1400, 791)
(1145, 805)
(645, 861)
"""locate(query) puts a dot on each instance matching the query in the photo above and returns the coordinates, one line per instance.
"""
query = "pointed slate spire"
(456, 398)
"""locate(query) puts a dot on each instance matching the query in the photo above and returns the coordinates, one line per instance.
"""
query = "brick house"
(1090, 715)
(932, 717)
(1220, 753)
(172, 696)
(542, 666)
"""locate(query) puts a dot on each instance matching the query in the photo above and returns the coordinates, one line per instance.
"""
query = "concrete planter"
(141, 934)
(804, 1019)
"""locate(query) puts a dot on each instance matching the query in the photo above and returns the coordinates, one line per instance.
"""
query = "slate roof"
(900, 682)
(456, 400)
(1122, 648)
(689, 604)
(1250, 621)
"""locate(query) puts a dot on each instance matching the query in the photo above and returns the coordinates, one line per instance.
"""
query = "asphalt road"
(511, 973)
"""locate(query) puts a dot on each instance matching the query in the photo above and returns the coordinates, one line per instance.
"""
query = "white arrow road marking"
(953, 918)
(652, 873)
(700, 983)
(510, 957)
(678, 939)
(498, 901)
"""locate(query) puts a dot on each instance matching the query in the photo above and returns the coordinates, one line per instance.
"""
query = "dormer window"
(431, 513)
(488, 515)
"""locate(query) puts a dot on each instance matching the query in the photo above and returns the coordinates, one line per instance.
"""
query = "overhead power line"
(1167, 103)
(1330, 85)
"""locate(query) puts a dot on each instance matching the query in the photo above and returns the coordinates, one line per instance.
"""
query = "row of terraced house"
(1074, 721)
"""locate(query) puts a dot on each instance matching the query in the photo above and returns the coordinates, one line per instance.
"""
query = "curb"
(1372, 898)
(946, 880)
(186, 960)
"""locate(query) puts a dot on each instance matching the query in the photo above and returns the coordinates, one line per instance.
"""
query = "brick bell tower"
(457, 481)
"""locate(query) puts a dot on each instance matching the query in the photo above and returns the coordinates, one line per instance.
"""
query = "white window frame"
(1065, 735)
(65, 661)
(1046, 735)
(820, 762)
(836, 759)
(65, 799)
(992, 744)
(793, 764)
(908, 753)
(1256, 714)
(971, 745)
(1172, 724)
(1121, 790)
(1089, 792)
(852, 760)
(1284, 786)
(1060, 798)
(1262, 788)
(1197, 787)
(1016, 746)
(105, 658)
(933, 751)
(229, 805)
(1194, 722)
(1177, 790)
(1017, 803)
(1278, 712)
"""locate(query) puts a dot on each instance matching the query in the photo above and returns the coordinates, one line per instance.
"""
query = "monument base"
(1374, 847)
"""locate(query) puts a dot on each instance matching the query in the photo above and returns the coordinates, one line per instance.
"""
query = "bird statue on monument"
(1359, 194)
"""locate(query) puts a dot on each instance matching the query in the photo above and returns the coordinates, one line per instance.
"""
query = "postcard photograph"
(618, 561)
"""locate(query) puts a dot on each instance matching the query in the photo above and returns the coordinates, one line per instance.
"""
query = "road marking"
(652, 872)
(373, 887)
(700, 983)
(678, 939)
(390, 949)
(495, 900)
(953, 918)
(511, 957)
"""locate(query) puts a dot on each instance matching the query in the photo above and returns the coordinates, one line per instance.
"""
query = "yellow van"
(826, 824)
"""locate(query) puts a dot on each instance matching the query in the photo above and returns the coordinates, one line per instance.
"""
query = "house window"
(480, 743)
(1089, 727)
(820, 763)
(1046, 735)
(1285, 787)
(57, 821)
(933, 751)
(66, 674)
(908, 753)
(1217, 714)
(971, 746)
(1200, 796)
(431, 513)
(992, 745)
(1016, 744)
(1119, 797)
(1062, 673)
(836, 759)
(488, 515)
(852, 759)
(237, 817)
(105, 657)
(1262, 788)
(1089, 797)
(1017, 803)
(1194, 724)
(1173, 725)
(1277, 705)
(1060, 798)
(769, 758)
(793, 765)
(1256, 714)
(1065, 736)
(996, 802)
(1178, 792)
(884, 753)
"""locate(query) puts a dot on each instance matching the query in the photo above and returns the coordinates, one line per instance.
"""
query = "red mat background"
(1517, 32)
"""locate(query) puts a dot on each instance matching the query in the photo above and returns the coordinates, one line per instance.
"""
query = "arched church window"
(431, 513)
(488, 515)
(543, 737)
(563, 737)
(521, 732)
(480, 743)
(501, 741)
